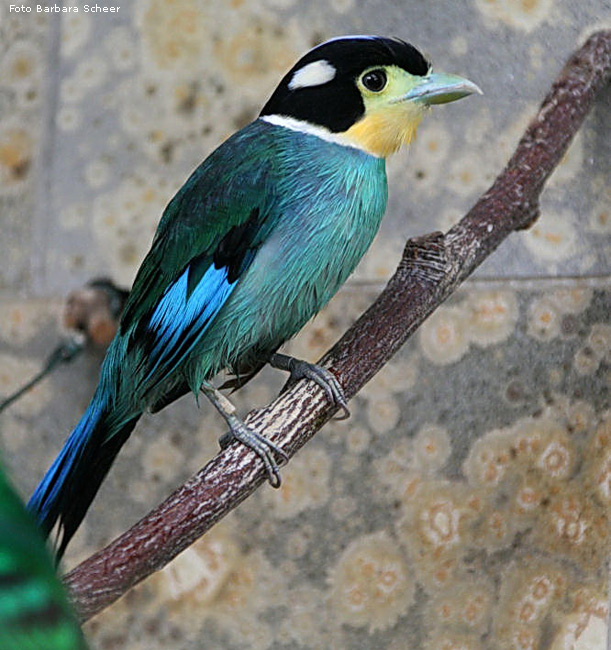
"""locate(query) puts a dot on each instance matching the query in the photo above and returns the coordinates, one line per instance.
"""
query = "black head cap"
(337, 103)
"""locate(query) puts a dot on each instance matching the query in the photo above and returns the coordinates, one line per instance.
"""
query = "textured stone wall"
(465, 504)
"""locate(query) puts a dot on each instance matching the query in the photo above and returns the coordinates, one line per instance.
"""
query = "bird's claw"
(321, 376)
(328, 382)
(263, 447)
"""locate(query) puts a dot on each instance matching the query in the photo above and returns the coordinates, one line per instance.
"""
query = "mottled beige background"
(465, 504)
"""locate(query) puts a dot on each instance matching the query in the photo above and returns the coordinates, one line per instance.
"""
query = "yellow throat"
(386, 130)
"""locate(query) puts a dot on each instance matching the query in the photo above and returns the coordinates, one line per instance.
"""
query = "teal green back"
(318, 206)
(326, 202)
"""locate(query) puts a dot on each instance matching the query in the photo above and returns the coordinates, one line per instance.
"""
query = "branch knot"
(424, 259)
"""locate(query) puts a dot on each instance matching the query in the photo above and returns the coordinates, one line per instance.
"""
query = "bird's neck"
(379, 135)
(319, 131)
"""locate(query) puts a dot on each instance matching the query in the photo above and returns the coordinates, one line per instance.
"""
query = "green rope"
(63, 353)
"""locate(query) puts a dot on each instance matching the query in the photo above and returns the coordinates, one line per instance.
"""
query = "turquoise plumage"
(34, 609)
(291, 233)
(254, 244)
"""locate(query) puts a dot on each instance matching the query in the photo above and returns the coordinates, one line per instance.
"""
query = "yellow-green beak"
(441, 89)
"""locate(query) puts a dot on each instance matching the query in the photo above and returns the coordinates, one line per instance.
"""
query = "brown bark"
(431, 269)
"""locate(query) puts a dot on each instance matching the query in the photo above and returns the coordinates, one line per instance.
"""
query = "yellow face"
(389, 121)
(395, 102)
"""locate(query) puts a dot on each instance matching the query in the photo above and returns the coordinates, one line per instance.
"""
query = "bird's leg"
(303, 370)
(263, 447)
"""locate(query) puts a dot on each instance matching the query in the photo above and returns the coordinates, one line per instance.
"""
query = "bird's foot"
(265, 449)
(238, 430)
(324, 378)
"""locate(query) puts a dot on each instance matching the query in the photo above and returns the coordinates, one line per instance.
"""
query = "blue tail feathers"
(46, 499)
(69, 486)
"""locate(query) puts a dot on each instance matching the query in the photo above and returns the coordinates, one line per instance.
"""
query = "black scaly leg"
(263, 447)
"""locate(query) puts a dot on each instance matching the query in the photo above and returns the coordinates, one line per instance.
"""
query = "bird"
(34, 608)
(257, 240)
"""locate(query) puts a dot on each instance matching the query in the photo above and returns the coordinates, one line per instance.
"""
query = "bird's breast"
(326, 202)
(330, 213)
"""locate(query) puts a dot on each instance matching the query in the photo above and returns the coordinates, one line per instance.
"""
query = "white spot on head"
(316, 73)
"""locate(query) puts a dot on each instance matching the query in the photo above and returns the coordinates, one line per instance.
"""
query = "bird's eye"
(374, 80)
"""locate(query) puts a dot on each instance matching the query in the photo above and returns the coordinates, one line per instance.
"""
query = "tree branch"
(430, 270)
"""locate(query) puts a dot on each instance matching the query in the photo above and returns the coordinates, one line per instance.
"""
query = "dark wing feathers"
(207, 238)
(225, 204)
(236, 249)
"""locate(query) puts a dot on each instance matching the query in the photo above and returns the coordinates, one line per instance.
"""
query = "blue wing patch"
(190, 303)
(181, 317)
